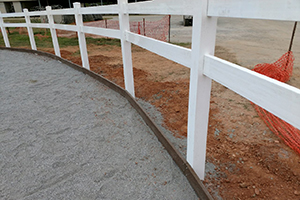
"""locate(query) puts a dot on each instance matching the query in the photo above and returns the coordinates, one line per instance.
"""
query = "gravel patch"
(180, 143)
(64, 135)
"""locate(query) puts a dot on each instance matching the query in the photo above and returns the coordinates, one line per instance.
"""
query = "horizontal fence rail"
(172, 52)
(65, 27)
(41, 25)
(14, 25)
(164, 7)
(18, 14)
(37, 13)
(102, 31)
(276, 97)
(256, 9)
(111, 9)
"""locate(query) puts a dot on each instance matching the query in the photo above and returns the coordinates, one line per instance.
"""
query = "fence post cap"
(48, 7)
(76, 4)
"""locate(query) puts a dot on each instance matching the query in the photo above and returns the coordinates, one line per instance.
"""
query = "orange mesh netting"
(155, 29)
(280, 70)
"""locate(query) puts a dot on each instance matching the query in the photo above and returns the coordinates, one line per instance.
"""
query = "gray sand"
(63, 135)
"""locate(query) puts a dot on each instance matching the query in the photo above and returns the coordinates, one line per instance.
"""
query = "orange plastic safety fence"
(280, 70)
(155, 29)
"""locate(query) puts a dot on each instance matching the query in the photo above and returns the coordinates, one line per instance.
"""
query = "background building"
(7, 6)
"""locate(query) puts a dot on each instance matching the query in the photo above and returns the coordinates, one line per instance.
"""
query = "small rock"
(297, 193)
(276, 141)
(256, 190)
(294, 174)
(227, 181)
(217, 132)
(244, 185)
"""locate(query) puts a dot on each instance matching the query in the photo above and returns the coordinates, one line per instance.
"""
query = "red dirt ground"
(250, 161)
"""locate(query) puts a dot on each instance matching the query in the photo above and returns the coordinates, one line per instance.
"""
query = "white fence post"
(29, 29)
(53, 31)
(126, 47)
(203, 42)
(3, 31)
(81, 36)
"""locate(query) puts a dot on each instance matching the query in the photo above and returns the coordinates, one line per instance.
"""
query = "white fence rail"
(274, 96)
(287, 10)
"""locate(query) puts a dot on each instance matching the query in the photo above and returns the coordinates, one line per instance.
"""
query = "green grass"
(41, 31)
(22, 40)
(35, 20)
(103, 41)
(14, 20)
(16, 40)
(65, 42)
(21, 20)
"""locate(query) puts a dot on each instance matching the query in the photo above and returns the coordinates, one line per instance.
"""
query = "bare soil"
(250, 161)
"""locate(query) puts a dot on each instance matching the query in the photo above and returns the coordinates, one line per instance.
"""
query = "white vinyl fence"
(279, 98)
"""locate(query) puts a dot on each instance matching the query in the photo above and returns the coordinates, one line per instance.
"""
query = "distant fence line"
(268, 93)
(158, 30)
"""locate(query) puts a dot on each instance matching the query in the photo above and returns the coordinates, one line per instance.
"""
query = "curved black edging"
(184, 166)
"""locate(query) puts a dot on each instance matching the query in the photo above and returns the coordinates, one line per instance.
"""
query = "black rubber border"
(184, 166)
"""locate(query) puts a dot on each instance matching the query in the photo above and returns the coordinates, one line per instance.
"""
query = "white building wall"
(17, 6)
(2, 8)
